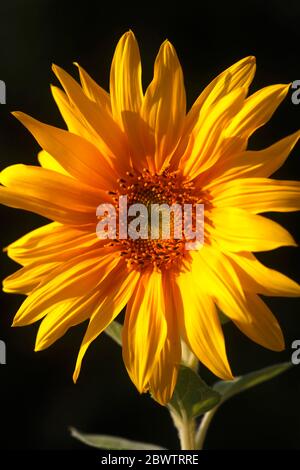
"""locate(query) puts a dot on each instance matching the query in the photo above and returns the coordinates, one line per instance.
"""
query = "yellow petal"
(126, 79)
(71, 279)
(254, 163)
(117, 290)
(75, 122)
(27, 278)
(257, 110)
(127, 96)
(258, 278)
(256, 321)
(50, 194)
(164, 376)
(94, 91)
(239, 75)
(206, 141)
(263, 328)
(48, 162)
(165, 372)
(145, 330)
(17, 200)
(164, 106)
(246, 310)
(214, 267)
(200, 325)
(63, 316)
(51, 243)
(75, 154)
(237, 230)
(258, 195)
(111, 141)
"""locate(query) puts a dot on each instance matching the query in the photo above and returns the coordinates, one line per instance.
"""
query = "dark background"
(37, 397)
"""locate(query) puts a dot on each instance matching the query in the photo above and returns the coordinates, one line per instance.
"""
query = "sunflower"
(146, 146)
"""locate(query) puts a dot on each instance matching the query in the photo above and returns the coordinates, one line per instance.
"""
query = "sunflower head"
(145, 146)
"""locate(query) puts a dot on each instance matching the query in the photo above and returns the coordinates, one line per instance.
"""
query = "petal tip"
(75, 376)
(56, 69)
(16, 114)
(225, 373)
(167, 45)
(39, 345)
(279, 346)
(127, 37)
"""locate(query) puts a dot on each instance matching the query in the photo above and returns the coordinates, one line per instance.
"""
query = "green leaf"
(111, 442)
(114, 330)
(192, 396)
(238, 385)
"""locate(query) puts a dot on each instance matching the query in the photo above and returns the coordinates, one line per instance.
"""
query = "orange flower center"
(167, 190)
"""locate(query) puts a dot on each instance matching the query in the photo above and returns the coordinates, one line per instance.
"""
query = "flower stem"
(187, 434)
(203, 428)
(186, 428)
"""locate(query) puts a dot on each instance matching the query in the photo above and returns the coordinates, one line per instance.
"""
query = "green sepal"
(192, 396)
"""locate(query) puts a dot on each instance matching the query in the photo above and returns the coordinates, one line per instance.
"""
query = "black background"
(37, 397)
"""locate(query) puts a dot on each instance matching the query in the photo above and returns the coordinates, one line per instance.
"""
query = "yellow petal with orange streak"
(200, 325)
(250, 314)
(145, 329)
(50, 194)
(94, 91)
(258, 195)
(111, 140)
(252, 163)
(164, 107)
(116, 291)
(164, 376)
(71, 279)
(49, 162)
(258, 108)
(260, 279)
(206, 141)
(63, 316)
(236, 76)
(237, 230)
(24, 280)
(126, 79)
(76, 155)
(239, 75)
(75, 122)
(51, 243)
